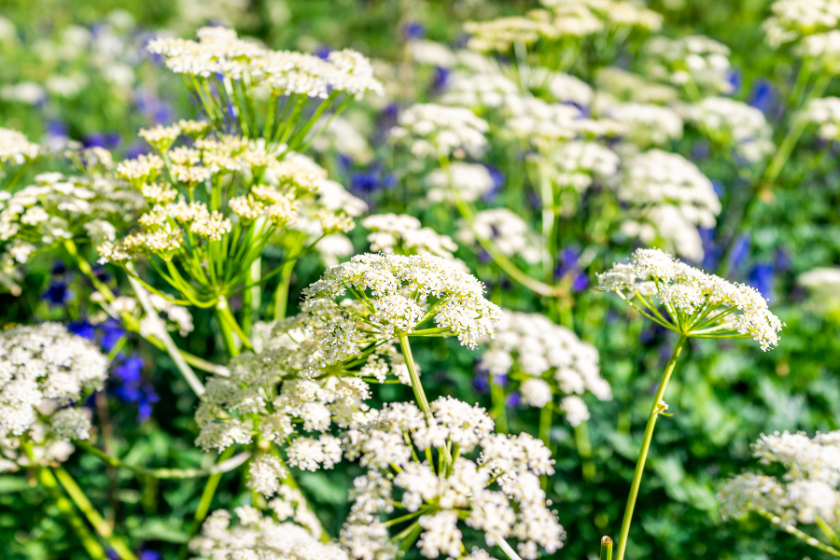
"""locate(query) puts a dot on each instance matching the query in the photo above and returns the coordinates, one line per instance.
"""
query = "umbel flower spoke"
(693, 304)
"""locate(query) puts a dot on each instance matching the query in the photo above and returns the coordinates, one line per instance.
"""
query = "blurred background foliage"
(77, 70)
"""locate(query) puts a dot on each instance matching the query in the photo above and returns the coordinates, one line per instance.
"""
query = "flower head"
(695, 304)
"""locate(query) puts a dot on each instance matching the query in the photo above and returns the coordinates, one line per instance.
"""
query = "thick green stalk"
(546, 414)
(420, 394)
(230, 341)
(497, 394)
(251, 298)
(606, 548)
(655, 410)
(281, 295)
(584, 447)
(102, 527)
(92, 546)
(801, 535)
(206, 501)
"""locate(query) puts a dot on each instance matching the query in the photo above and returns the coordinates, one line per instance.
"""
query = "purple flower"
(112, 332)
(735, 79)
(513, 400)
(762, 95)
(441, 79)
(82, 328)
(740, 250)
(762, 278)
(323, 52)
(108, 140)
(413, 30)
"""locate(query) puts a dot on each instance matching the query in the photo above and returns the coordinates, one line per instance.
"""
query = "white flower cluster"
(58, 207)
(794, 19)
(823, 48)
(647, 124)
(669, 199)
(627, 86)
(547, 359)
(405, 293)
(825, 114)
(508, 233)
(469, 180)
(696, 304)
(390, 448)
(273, 395)
(806, 494)
(565, 88)
(402, 234)
(824, 291)
(532, 120)
(220, 51)
(47, 445)
(280, 533)
(694, 61)
(733, 124)
(43, 364)
(577, 163)
(475, 90)
(436, 131)
(15, 148)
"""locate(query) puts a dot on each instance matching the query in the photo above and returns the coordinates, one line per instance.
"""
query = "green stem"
(420, 394)
(584, 447)
(606, 548)
(48, 481)
(102, 527)
(281, 295)
(230, 342)
(655, 409)
(251, 298)
(497, 394)
(544, 432)
(218, 468)
(290, 481)
(161, 333)
(801, 535)
(206, 500)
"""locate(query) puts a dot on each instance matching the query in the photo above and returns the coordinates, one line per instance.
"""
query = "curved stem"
(281, 295)
(497, 394)
(801, 535)
(640, 463)
(161, 333)
(102, 527)
(218, 468)
(92, 546)
(501, 260)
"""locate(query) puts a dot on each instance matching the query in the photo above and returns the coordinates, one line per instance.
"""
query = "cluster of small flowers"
(647, 124)
(627, 86)
(824, 287)
(669, 199)
(58, 207)
(220, 51)
(824, 113)
(565, 88)
(462, 492)
(530, 119)
(471, 90)
(690, 297)
(733, 124)
(401, 288)
(577, 163)
(808, 491)
(45, 444)
(691, 61)
(281, 533)
(794, 19)
(436, 131)
(508, 233)
(46, 364)
(549, 359)
(402, 234)
(470, 181)
(16, 148)
(272, 395)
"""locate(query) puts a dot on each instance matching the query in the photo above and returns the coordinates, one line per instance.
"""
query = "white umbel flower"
(436, 131)
(42, 363)
(733, 124)
(15, 148)
(695, 304)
